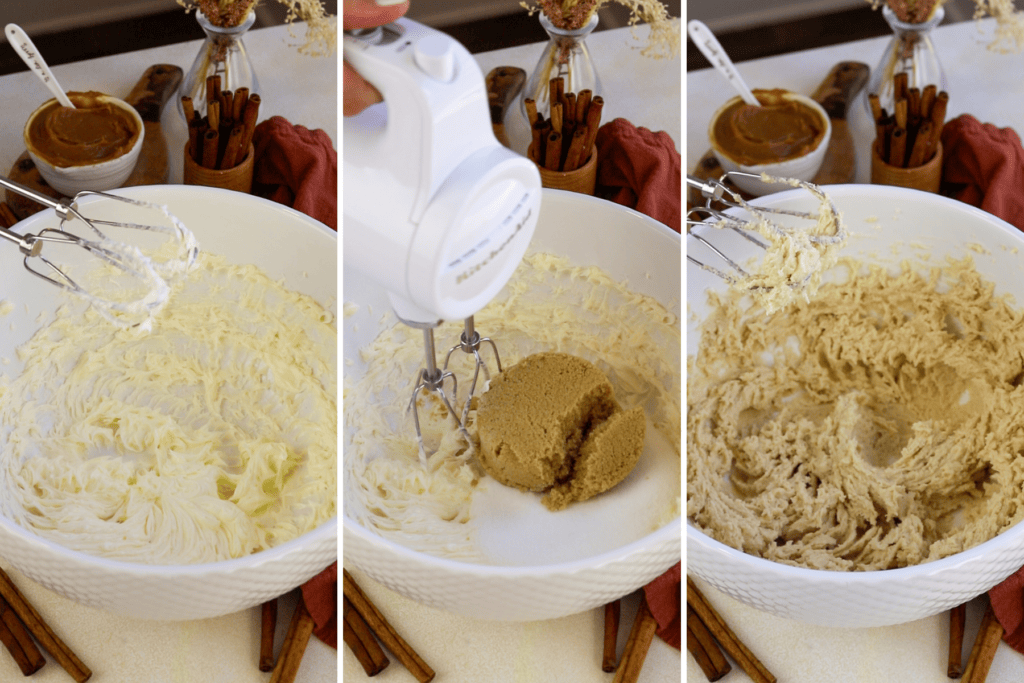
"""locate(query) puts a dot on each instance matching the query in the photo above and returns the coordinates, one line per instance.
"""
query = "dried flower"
(321, 28)
(664, 40)
(1009, 21)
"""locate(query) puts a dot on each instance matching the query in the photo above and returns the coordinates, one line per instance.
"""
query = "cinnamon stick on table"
(18, 641)
(701, 644)
(637, 645)
(385, 632)
(299, 630)
(611, 635)
(957, 617)
(43, 634)
(361, 641)
(725, 636)
(984, 650)
(268, 624)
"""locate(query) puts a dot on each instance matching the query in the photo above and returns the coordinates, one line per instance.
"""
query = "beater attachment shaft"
(469, 342)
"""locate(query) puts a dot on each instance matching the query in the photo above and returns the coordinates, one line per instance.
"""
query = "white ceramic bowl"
(887, 224)
(106, 175)
(245, 229)
(599, 558)
(802, 168)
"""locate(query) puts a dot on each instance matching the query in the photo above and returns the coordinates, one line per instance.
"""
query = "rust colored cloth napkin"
(663, 598)
(640, 169)
(984, 166)
(298, 167)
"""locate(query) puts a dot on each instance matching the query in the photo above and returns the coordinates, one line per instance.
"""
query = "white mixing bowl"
(287, 245)
(887, 225)
(575, 559)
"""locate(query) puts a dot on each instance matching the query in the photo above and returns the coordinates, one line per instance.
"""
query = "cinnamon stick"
(900, 112)
(556, 118)
(637, 645)
(725, 636)
(212, 89)
(876, 106)
(537, 149)
(582, 104)
(957, 617)
(984, 649)
(556, 87)
(574, 157)
(593, 123)
(360, 640)
(553, 150)
(922, 150)
(898, 147)
(18, 642)
(211, 140)
(300, 628)
(233, 152)
(43, 634)
(238, 103)
(531, 110)
(213, 114)
(250, 115)
(7, 217)
(611, 635)
(569, 110)
(385, 632)
(928, 99)
(938, 115)
(268, 624)
(899, 85)
(701, 644)
(188, 108)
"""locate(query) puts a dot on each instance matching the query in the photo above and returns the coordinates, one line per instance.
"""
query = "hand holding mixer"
(437, 212)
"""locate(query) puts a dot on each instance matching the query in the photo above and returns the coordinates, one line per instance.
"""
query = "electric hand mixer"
(437, 212)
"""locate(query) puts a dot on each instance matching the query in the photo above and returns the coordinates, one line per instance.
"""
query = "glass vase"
(910, 51)
(565, 55)
(223, 53)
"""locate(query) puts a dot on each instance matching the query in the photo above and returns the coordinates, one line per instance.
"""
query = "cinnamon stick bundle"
(18, 642)
(41, 631)
(909, 137)
(361, 641)
(385, 631)
(575, 118)
(725, 636)
(221, 138)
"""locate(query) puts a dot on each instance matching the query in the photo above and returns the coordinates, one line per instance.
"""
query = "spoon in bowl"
(706, 42)
(26, 49)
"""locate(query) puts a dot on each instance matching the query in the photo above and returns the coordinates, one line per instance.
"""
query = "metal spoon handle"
(26, 49)
(706, 42)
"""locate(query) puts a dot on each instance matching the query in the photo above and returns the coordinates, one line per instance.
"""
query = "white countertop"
(566, 650)
(987, 85)
(226, 649)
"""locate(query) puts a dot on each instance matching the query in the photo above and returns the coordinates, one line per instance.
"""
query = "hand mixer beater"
(437, 212)
(131, 304)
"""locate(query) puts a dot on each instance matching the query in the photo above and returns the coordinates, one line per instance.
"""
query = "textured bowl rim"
(665, 533)
(324, 532)
(1008, 537)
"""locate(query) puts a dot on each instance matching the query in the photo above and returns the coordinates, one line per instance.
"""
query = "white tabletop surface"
(982, 83)
(304, 90)
(461, 650)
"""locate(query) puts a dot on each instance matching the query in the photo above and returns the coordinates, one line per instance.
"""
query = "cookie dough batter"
(878, 426)
(551, 423)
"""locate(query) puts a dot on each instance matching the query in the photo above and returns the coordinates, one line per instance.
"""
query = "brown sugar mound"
(551, 423)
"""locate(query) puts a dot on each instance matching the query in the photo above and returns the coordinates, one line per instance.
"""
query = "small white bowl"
(801, 168)
(106, 175)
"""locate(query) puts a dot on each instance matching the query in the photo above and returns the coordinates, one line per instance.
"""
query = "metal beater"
(437, 212)
(718, 194)
(129, 259)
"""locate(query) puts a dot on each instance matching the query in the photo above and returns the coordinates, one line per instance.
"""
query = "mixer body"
(437, 211)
